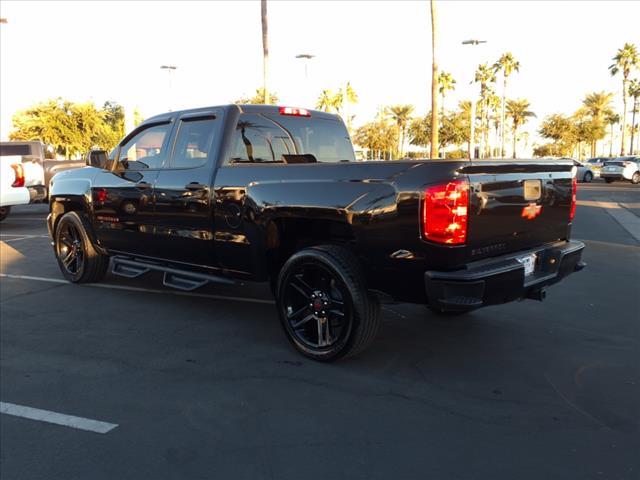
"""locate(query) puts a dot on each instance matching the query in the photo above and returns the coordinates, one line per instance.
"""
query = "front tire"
(588, 177)
(635, 178)
(78, 259)
(4, 212)
(324, 306)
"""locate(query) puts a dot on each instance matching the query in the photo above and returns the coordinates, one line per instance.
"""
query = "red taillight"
(445, 213)
(294, 111)
(19, 175)
(574, 191)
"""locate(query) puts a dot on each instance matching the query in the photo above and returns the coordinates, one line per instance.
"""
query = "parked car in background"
(12, 189)
(38, 169)
(596, 164)
(622, 168)
(585, 172)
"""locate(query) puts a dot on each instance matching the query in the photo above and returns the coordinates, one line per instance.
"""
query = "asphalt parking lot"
(203, 386)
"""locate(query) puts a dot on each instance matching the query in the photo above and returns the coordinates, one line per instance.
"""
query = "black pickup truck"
(274, 194)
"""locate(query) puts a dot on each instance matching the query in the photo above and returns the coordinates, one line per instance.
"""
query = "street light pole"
(169, 68)
(472, 120)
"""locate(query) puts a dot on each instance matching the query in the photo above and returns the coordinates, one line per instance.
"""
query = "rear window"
(7, 150)
(288, 139)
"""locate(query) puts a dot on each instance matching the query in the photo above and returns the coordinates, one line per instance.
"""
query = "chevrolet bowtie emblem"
(531, 211)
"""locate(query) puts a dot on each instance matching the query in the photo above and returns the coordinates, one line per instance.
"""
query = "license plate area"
(529, 263)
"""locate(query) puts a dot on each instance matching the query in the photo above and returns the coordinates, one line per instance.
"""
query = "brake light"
(19, 175)
(445, 213)
(574, 191)
(294, 111)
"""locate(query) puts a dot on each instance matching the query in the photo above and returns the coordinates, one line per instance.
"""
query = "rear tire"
(4, 212)
(588, 177)
(609, 180)
(324, 306)
(78, 259)
(635, 178)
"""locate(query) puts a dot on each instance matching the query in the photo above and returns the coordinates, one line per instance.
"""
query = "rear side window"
(146, 150)
(193, 143)
(6, 150)
(288, 139)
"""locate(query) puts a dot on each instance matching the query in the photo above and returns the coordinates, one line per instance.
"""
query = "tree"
(330, 101)
(518, 111)
(377, 136)
(626, 60)
(401, 114)
(506, 64)
(434, 84)
(597, 105)
(265, 51)
(70, 128)
(634, 92)
(454, 130)
(485, 76)
(446, 82)
(257, 99)
(612, 119)
(493, 107)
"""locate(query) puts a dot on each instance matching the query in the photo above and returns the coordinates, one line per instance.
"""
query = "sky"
(98, 51)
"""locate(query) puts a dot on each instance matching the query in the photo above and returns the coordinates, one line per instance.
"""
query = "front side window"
(289, 139)
(195, 138)
(146, 150)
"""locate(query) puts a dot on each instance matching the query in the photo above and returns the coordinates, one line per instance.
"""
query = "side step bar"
(173, 277)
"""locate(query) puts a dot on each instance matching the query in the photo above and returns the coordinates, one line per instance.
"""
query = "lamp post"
(472, 121)
(306, 57)
(169, 69)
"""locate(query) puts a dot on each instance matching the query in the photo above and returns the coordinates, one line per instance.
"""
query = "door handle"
(195, 186)
(143, 185)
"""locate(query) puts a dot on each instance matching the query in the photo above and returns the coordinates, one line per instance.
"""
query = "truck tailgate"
(517, 205)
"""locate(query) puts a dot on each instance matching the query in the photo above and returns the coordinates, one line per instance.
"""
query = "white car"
(622, 168)
(12, 186)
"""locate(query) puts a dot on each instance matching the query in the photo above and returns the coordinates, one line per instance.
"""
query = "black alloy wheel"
(324, 307)
(78, 259)
(70, 250)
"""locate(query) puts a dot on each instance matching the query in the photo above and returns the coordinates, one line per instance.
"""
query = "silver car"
(585, 172)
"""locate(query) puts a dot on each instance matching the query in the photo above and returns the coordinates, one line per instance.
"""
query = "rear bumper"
(616, 175)
(502, 279)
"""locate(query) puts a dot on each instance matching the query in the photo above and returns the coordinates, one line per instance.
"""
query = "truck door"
(123, 198)
(183, 211)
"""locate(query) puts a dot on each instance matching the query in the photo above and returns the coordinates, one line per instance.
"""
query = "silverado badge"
(531, 211)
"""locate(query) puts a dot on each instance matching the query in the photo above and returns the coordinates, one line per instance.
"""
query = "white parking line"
(56, 418)
(20, 237)
(138, 289)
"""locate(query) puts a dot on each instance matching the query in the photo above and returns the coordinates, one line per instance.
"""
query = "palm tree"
(485, 76)
(493, 102)
(518, 111)
(434, 85)
(349, 97)
(612, 119)
(598, 106)
(634, 92)
(265, 50)
(626, 60)
(446, 83)
(507, 64)
(401, 114)
(326, 101)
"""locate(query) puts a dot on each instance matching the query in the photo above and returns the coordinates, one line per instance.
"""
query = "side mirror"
(97, 158)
